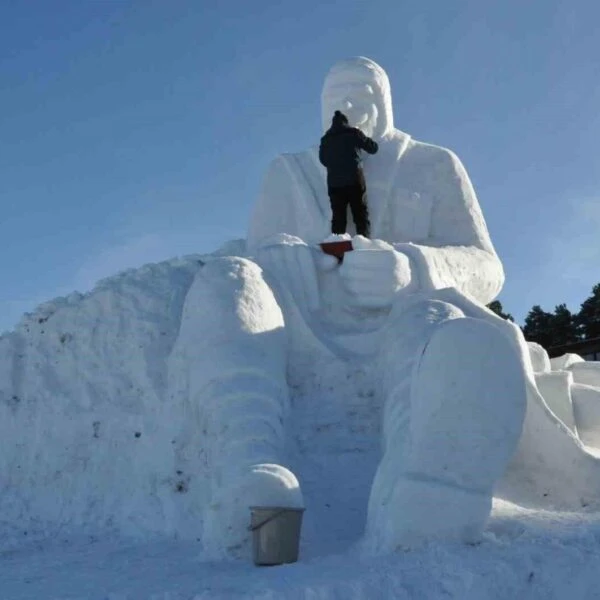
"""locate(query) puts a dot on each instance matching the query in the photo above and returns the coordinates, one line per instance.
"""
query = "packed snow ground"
(525, 555)
(103, 476)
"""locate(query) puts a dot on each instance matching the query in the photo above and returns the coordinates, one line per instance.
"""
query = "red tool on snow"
(337, 249)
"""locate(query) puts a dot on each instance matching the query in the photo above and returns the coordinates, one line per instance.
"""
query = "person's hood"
(362, 70)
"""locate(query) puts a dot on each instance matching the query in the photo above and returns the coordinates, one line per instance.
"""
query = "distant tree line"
(561, 326)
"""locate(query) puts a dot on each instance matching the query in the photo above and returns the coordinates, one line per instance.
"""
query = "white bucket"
(275, 534)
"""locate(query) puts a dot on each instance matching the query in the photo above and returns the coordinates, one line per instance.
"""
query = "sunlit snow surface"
(533, 555)
(82, 492)
(115, 407)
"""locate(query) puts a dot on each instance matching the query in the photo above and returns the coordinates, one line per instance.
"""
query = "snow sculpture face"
(359, 88)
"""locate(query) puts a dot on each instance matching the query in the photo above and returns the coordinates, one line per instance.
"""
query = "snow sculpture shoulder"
(420, 197)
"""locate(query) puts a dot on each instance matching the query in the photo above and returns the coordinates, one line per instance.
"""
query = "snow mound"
(91, 435)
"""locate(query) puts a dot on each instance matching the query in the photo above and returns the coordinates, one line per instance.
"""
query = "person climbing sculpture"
(339, 152)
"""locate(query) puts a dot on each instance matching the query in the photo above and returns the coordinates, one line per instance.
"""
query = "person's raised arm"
(366, 143)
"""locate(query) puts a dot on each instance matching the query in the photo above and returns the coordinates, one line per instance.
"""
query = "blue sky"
(132, 132)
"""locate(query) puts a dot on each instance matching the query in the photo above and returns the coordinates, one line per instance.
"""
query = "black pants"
(355, 196)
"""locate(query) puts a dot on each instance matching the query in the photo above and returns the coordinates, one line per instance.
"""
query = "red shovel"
(337, 249)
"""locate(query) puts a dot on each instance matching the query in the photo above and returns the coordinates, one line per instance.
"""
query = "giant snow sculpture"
(408, 303)
(456, 382)
(170, 399)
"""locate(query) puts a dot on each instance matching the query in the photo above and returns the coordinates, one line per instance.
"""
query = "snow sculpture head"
(359, 88)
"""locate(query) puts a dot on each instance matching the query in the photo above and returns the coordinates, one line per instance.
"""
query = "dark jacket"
(339, 152)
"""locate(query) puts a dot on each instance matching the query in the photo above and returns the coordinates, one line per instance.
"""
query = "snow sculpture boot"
(244, 420)
(466, 410)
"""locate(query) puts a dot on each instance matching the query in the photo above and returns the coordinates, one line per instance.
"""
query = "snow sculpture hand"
(290, 261)
(374, 273)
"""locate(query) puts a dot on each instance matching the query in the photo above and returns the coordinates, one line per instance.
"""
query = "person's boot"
(467, 405)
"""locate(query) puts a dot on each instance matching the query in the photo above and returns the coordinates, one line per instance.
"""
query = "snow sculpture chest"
(399, 209)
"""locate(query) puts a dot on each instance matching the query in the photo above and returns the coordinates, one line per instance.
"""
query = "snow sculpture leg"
(455, 401)
(232, 336)
(551, 467)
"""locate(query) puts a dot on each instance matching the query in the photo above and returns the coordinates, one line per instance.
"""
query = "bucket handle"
(267, 520)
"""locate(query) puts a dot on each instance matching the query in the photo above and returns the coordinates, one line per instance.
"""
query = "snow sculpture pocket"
(411, 215)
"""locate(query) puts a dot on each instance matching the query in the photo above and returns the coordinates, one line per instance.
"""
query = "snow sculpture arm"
(458, 251)
(290, 261)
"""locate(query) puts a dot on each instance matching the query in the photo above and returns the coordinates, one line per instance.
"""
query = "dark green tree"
(588, 318)
(564, 326)
(496, 306)
(539, 327)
